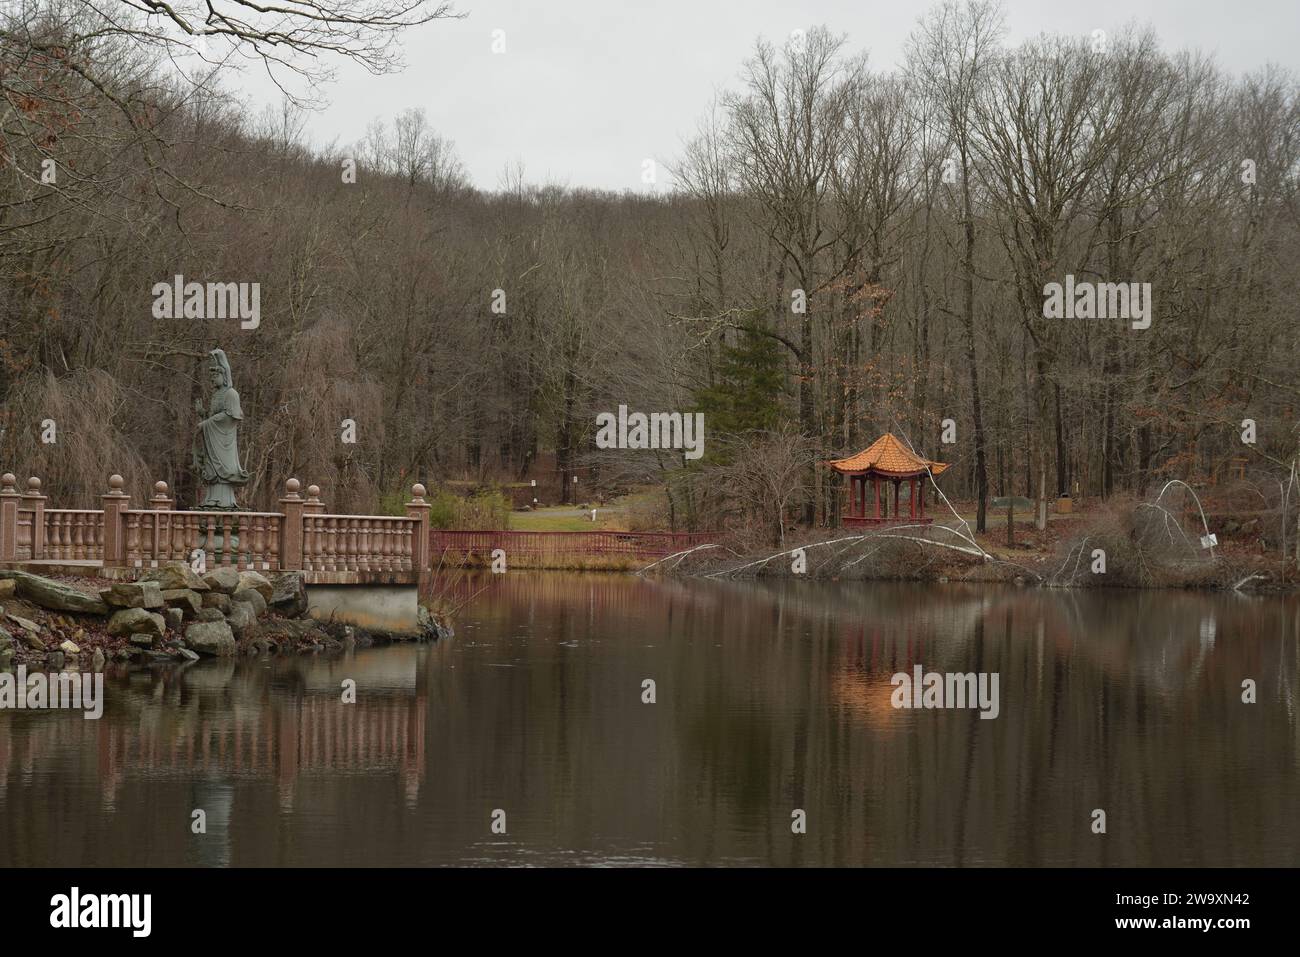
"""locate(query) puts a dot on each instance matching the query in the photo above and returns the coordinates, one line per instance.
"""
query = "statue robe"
(216, 447)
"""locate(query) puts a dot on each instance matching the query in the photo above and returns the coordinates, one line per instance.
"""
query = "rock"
(142, 640)
(54, 595)
(132, 620)
(186, 600)
(290, 627)
(288, 595)
(122, 654)
(7, 588)
(6, 639)
(223, 579)
(258, 582)
(217, 600)
(70, 648)
(174, 576)
(31, 639)
(187, 654)
(145, 594)
(97, 660)
(54, 660)
(25, 623)
(209, 614)
(243, 619)
(431, 626)
(250, 596)
(174, 617)
(210, 638)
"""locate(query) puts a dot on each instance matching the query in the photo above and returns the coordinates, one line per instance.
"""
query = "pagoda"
(886, 460)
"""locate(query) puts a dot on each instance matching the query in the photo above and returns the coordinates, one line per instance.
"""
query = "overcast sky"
(588, 89)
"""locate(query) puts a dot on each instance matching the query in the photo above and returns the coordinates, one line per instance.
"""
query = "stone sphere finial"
(116, 483)
(313, 492)
(33, 485)
(292, 486)
(7, 481)
(418, 491)
(160, 488)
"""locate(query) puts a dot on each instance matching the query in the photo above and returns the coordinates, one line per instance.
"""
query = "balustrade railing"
(301, 536)
(360, 543)
(74, 535)
(243, 540)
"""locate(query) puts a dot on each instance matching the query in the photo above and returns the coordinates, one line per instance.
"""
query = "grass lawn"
(559, 519)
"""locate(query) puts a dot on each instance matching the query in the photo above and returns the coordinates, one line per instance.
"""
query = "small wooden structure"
(887, 460)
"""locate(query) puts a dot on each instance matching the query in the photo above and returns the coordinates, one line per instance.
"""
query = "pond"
(530, 739)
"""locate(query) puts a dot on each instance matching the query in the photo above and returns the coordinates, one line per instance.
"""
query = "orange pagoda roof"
(888, 456)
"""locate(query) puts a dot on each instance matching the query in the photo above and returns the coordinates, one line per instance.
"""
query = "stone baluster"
(353, 544)
(53, 529)
(78, 537)
(257, 545)
(273, 541)
(331, 543)
(180, 546)
(131, 540)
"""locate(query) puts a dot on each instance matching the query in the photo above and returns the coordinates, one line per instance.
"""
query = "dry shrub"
(647, 515)
(1146, 544)
(323, 386)
(881, 555)
(92, 414)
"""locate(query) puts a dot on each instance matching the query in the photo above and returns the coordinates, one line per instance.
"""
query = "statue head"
(219, 369)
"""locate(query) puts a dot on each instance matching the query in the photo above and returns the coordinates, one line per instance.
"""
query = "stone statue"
(216, 446)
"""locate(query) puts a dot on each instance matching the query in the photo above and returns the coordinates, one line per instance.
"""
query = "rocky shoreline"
(170, 614)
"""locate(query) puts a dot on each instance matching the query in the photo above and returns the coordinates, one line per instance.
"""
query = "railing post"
(313, 505)
(34, 502)
(292, 506)
(9, 499)
(421, 553)
(161, 502)
(116, 502)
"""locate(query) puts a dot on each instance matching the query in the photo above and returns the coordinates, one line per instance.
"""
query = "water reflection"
(769, 698)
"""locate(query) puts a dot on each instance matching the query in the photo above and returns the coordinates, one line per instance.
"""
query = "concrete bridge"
(367, 569)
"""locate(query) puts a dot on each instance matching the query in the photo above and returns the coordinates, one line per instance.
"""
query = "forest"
(839, 249)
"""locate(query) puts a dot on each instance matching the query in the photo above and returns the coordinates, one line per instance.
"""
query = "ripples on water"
(769, 698)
